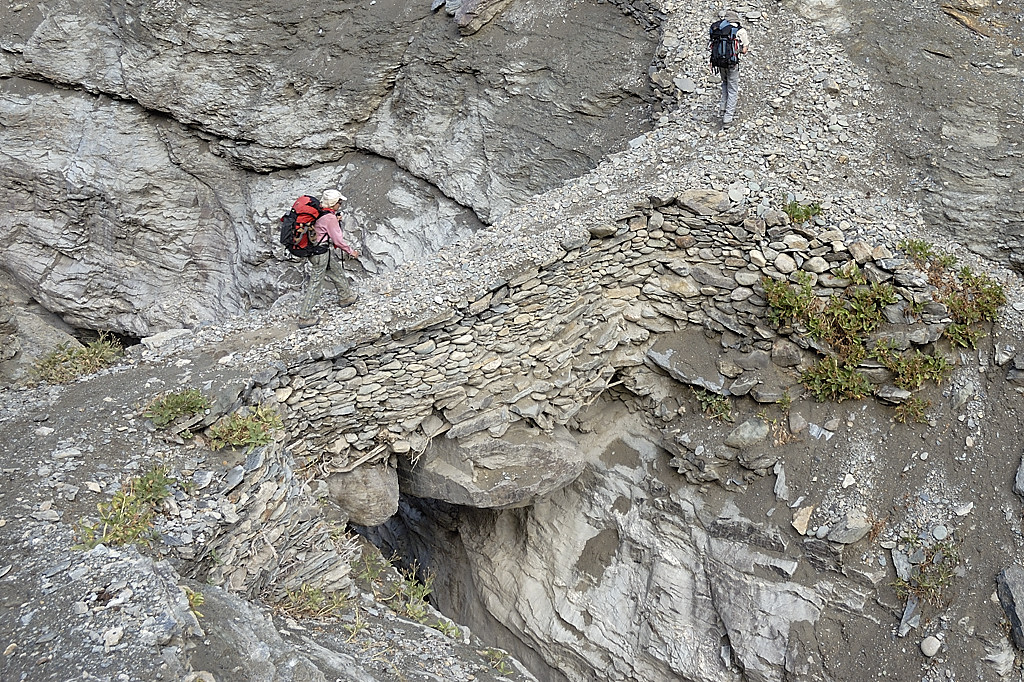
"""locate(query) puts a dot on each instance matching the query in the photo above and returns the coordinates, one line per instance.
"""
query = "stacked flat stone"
(261, 530)
(541, 343)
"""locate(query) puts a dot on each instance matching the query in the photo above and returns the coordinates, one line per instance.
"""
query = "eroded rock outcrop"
(605, 343)
(150, 151)
(482, 471)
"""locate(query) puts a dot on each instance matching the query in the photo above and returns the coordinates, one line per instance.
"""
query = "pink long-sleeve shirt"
(328, 224)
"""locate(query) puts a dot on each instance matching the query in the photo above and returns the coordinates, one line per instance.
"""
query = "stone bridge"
(478, 406)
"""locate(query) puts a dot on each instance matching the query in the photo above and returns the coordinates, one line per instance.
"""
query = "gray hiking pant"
(330, 266)
(730, 91)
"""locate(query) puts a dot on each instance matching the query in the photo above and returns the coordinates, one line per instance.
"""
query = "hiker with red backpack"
(309, 230)
(728, 40)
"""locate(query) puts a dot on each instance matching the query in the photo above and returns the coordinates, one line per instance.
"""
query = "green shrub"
(312, 602)
(448, 629)
(373, 567)
(846, 320)
(913, 410)
(714, 405)
(789, 303)
(66, 364)
(918, 251)
(801, 213)
(912, 370)
(933, 575)
(411, 598)
(166, 409)
(250, 429)
(843, 321)
(970, 298)
(498, 659)
(833, 379)
(852, 272)
(404, 592)
(195, 600)
(128, 517)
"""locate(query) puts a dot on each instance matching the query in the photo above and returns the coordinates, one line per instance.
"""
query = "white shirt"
(744, 39)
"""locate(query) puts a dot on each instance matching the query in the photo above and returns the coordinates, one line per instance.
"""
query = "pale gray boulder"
(368, 494)
(482, 471)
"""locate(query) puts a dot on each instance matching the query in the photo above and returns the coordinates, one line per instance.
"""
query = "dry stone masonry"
(480, 406)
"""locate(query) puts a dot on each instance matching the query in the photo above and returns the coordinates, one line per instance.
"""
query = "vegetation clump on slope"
(128, 517)
(166, 409)
(248, 428)
(65, 363)
(843, 324)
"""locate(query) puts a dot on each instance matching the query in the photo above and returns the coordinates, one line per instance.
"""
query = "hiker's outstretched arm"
(329, 224)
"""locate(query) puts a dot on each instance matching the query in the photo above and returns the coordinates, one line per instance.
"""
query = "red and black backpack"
(297, 233)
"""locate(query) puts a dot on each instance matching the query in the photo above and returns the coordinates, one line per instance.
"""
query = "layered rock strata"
(150, 150)
(261, 532)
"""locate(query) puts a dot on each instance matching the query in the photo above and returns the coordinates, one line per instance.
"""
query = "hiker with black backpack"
(728, 40)
(309, 230)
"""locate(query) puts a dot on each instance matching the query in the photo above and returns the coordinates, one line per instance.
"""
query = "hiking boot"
(346, 302)
(305, 322)
(727, 121)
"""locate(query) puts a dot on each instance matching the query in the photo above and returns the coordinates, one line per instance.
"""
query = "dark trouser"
(329, 265)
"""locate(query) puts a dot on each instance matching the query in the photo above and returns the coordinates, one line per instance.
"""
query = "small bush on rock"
(843, 325)
(789, 303)
(912, 370)
(312, 602)
(714, 405)
(66, 364)
(166, 409)
(411, 598)
(248, 428)
(128, 517)
(498, 659)
(833, 379)
(801, 213)
(932, 575)
(913, 410)
(403, 591)
(195, 600)
(972, 299)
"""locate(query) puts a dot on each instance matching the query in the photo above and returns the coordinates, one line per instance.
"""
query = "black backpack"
(725, 46)
(297, 232)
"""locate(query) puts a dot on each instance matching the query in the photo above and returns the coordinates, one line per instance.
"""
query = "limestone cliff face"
(150, 147)
(625, 576)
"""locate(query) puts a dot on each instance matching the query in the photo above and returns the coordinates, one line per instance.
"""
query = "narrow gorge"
(631, 395)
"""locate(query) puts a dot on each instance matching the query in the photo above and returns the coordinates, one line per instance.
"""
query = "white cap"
(332, 197)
